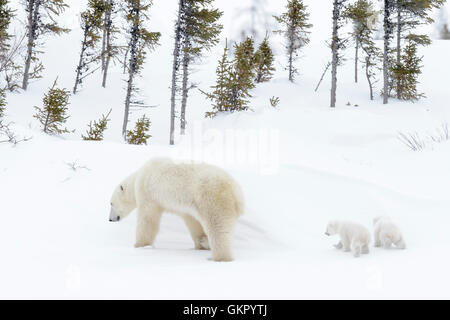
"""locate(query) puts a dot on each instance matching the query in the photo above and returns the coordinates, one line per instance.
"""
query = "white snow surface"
(300, 165)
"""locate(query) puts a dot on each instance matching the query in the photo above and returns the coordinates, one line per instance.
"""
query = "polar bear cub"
(387, 233)
(354, 237)
(207, 198)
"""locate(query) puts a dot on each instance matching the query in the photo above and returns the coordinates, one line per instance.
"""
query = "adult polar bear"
(206, 197)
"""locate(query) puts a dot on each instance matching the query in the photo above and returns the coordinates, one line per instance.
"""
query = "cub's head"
(122, 203)
(332, 228)
(380, 218)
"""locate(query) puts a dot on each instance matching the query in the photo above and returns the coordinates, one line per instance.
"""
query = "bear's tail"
(239, 200)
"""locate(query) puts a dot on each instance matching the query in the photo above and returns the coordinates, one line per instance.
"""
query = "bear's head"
(332, 228)
(122, 202)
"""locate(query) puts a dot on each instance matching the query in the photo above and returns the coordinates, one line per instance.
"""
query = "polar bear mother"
(206, 197)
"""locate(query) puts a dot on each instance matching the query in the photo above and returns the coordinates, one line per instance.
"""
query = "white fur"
(206, 197)
(387, 233)
(354, 237)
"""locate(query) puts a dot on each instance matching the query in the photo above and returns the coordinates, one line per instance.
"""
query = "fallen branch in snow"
(323, 75)
(11, 137)
(74, 166)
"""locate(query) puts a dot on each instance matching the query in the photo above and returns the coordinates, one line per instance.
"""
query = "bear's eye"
(121, 188)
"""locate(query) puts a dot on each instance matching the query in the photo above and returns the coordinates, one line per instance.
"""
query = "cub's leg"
(148, 221)
(385, 240)
(365, 249)
(197, 232)
(339, 245)
(346, 244)
(377, 242)
(400, 244)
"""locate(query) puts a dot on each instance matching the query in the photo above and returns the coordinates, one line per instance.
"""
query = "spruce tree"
(139, 135)
(141, 41)
(221, 93)
(91, 23)
(96, 129)
(372, 61)
(406, 72)
(196, 30)
(409, 16)
(6, 14)
(264, 60)
(388, 26)
(243, 74)
(295, 29)
(53, 114)
(363, 17)
(41, 20)
(360, 14)
(201, 31)
(9, 49)
(337, 46)
(110, 50)
(235, 79)
(179, 26)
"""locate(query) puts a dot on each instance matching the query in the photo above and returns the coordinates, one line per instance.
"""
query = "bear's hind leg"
(197, 233)
(148, 221)
(219, 235)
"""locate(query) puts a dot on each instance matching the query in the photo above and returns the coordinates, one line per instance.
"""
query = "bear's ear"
(121, 188)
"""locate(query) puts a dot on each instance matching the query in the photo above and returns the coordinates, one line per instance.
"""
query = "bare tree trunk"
(291, 55)
(33, 8)
(356, 60)
(131, 71)
(104, 42)
(335, 54)
(368, 78)
(80, 63)
(184, 92)
(291, 71)
(107, 44)
(387, 31)
(399, 49)
(127, 102)
(125, 61)
(176, 65)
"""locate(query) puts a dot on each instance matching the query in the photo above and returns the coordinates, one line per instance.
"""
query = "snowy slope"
(299, 165)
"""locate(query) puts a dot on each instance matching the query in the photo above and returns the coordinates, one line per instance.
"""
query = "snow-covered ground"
(299, 165)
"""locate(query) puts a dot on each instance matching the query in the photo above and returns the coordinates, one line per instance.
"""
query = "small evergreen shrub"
(139, 135)
(96, 129)
(53, 114)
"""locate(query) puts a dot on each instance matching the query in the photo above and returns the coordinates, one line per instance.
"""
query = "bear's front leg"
(346, 245)
(197, 233)
(148, 222)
